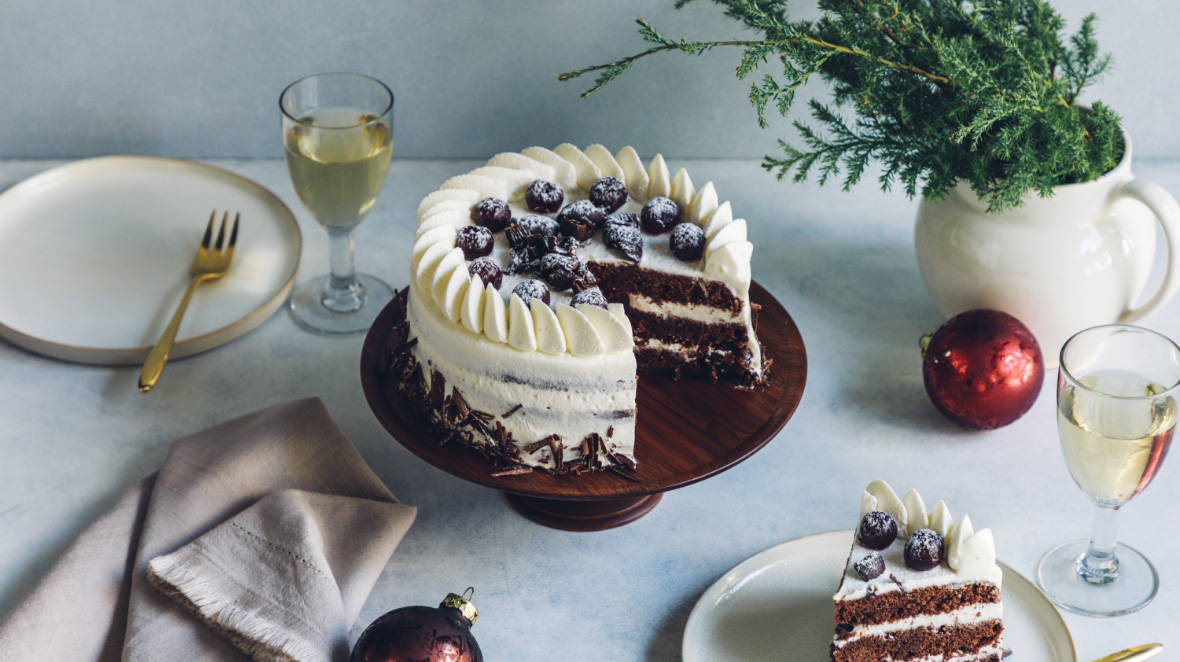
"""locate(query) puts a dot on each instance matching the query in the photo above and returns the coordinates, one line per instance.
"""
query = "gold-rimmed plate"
(94, 257)
(777, 605)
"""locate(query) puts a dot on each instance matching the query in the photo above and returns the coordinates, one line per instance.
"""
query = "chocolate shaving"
(623, 472)
(512, 411)
(438, 390)
(610, 431)
(1007, 652)
(513, 471)
(481, 415)
(538, 445)
(558, 451)
(898, 582)
(459, 411)
(622, 460)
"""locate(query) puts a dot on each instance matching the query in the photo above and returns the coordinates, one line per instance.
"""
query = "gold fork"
(211, 263)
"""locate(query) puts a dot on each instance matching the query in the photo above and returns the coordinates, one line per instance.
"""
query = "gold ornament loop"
(462, 603)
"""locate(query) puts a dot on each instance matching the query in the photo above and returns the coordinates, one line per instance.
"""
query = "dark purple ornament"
(421, 634)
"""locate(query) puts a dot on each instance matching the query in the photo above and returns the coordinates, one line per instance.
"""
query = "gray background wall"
(200, 78)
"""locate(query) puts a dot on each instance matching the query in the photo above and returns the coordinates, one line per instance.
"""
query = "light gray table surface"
(73, 437)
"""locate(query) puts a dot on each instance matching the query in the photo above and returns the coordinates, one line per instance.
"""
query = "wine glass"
(1116, 412)
(338, 138)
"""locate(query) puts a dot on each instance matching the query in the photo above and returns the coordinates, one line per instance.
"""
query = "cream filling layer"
(706, 314)
(982, 653)
(966, 615)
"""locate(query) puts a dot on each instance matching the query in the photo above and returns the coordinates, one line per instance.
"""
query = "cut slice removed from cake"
(914, 590)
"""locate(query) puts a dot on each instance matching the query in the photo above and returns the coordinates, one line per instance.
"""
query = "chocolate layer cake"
(542, 282)
(917, 587)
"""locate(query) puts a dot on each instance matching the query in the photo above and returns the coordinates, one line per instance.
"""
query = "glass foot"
(307, 306)
(1134, 586)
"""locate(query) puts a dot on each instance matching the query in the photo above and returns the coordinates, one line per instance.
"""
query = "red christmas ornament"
(422, 634)
(983, 369)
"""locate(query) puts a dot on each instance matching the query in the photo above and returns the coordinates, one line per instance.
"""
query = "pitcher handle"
(1167, 212)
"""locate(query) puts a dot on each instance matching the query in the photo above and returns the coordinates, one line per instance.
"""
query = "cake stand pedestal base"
(583, 515)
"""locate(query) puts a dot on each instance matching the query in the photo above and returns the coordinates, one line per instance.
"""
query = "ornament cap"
(462, 604)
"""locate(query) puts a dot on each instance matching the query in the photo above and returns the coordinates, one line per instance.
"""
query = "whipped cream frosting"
(440, 272)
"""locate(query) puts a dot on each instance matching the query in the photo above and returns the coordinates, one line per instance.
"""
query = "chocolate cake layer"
(618, 280)
(957, 641)
(689, 333)
(895, 605)
(732, 367)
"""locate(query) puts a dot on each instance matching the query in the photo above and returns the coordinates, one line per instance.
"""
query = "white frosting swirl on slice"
(940, 519)
(888, 501)
(703, 204)
(659, 181)
(682, 190)
(915, 510)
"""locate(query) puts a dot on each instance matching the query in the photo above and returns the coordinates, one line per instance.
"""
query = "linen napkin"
(261, 536)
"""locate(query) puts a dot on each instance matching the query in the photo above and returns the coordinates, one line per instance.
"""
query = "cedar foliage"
(939, 91)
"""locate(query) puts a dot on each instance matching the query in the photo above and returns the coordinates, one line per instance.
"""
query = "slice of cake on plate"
(543, 281)
(917, 586)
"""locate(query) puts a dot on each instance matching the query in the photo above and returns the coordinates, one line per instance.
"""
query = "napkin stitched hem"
(255, 636)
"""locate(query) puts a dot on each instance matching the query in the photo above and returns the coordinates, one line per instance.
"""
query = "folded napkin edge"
(254, 636)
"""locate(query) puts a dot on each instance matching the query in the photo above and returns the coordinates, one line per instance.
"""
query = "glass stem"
(1099, 565)
(342, 293)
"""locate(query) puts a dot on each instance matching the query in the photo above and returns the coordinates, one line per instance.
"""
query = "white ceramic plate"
(95, 255)
(777, 605)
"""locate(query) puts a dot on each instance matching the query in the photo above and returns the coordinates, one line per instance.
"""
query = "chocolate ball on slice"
(659, 215)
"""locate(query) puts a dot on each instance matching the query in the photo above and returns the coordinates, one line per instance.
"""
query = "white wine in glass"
(338, 139)
(1116, 413)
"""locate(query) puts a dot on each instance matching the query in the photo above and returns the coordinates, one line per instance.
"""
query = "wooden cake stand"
(686, 431)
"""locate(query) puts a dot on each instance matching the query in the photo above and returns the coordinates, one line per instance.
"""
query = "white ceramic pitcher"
(1060, 264)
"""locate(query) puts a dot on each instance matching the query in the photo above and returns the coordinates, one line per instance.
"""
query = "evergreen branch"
(942, 91)
(612, 70)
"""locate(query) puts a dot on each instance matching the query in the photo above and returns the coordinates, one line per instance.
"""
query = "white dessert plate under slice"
(95, 255)
(777, 605)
